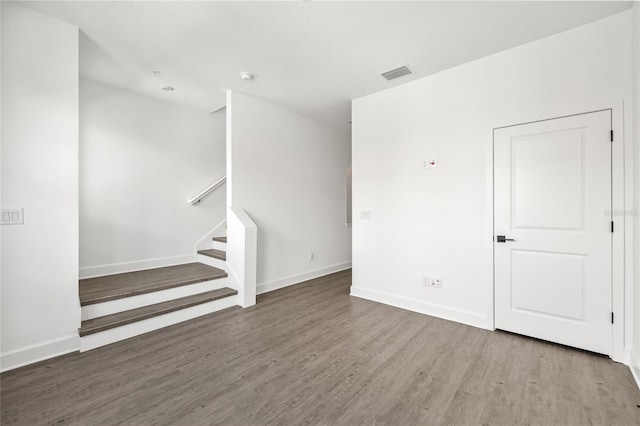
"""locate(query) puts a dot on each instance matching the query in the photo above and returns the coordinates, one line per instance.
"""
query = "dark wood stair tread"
(220, 239)
(112, 287)
(107, 322)
(218, 254)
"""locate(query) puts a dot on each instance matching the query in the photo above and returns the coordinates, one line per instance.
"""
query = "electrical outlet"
(435, 282)
(425, 281)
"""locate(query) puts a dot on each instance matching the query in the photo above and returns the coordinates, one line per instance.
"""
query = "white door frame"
(622, 195)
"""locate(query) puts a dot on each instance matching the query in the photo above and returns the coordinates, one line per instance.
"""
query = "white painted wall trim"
(619, 185)
(296, 279)
(489, 233)
(630, 251)
(40, 352)
(468, 318)
(635, 371)
(138, 265)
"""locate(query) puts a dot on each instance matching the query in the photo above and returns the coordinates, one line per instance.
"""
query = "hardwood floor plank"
(311, 354)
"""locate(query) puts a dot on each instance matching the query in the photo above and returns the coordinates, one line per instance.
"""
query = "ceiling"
(309, 57)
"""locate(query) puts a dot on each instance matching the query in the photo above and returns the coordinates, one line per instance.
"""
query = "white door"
(552, 194)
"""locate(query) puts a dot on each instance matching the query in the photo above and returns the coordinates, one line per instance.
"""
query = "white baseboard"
(295, 279)
(464, 317)
(138, 265)
(40, 352)
(635, 371)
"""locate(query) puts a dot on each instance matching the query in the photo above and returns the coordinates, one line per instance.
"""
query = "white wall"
(39, 174)
(288, 173)
(439, 221)
(140, 160)
(1, 204)
(636, 210)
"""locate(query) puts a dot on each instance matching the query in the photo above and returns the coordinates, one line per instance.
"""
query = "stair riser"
(219, 245)
(212, 261)
(113, 335)
(113, 306)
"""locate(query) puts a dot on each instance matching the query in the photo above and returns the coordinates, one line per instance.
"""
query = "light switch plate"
(12, 216)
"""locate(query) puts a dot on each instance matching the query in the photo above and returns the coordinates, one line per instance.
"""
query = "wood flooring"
(311, 354)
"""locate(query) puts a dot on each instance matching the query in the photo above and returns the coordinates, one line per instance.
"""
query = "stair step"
(217, 254)
(127, 317)
(112, 287)
(109, 307)
(220, 239)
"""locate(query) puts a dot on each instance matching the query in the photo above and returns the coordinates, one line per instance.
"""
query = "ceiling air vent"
(397, 73)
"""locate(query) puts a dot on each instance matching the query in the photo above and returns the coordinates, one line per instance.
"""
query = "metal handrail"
(195, 200)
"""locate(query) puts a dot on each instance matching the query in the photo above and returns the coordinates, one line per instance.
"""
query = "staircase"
(117, 307)
(216, 256)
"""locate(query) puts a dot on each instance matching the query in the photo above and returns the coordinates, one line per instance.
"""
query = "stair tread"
(107, 322)
(218, 254)
(220, 239)
(118, 286)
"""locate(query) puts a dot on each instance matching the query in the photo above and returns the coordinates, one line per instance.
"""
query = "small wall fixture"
(247, 76)
(168, 88)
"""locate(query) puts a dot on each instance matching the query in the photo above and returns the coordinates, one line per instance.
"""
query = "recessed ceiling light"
(247, 76)
(168, 88)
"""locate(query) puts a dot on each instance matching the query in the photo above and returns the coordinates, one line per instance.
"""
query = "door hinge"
(612, 136)
(611, 317)
(611, 226)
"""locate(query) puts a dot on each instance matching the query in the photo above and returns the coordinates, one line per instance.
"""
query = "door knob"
(503, 239)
